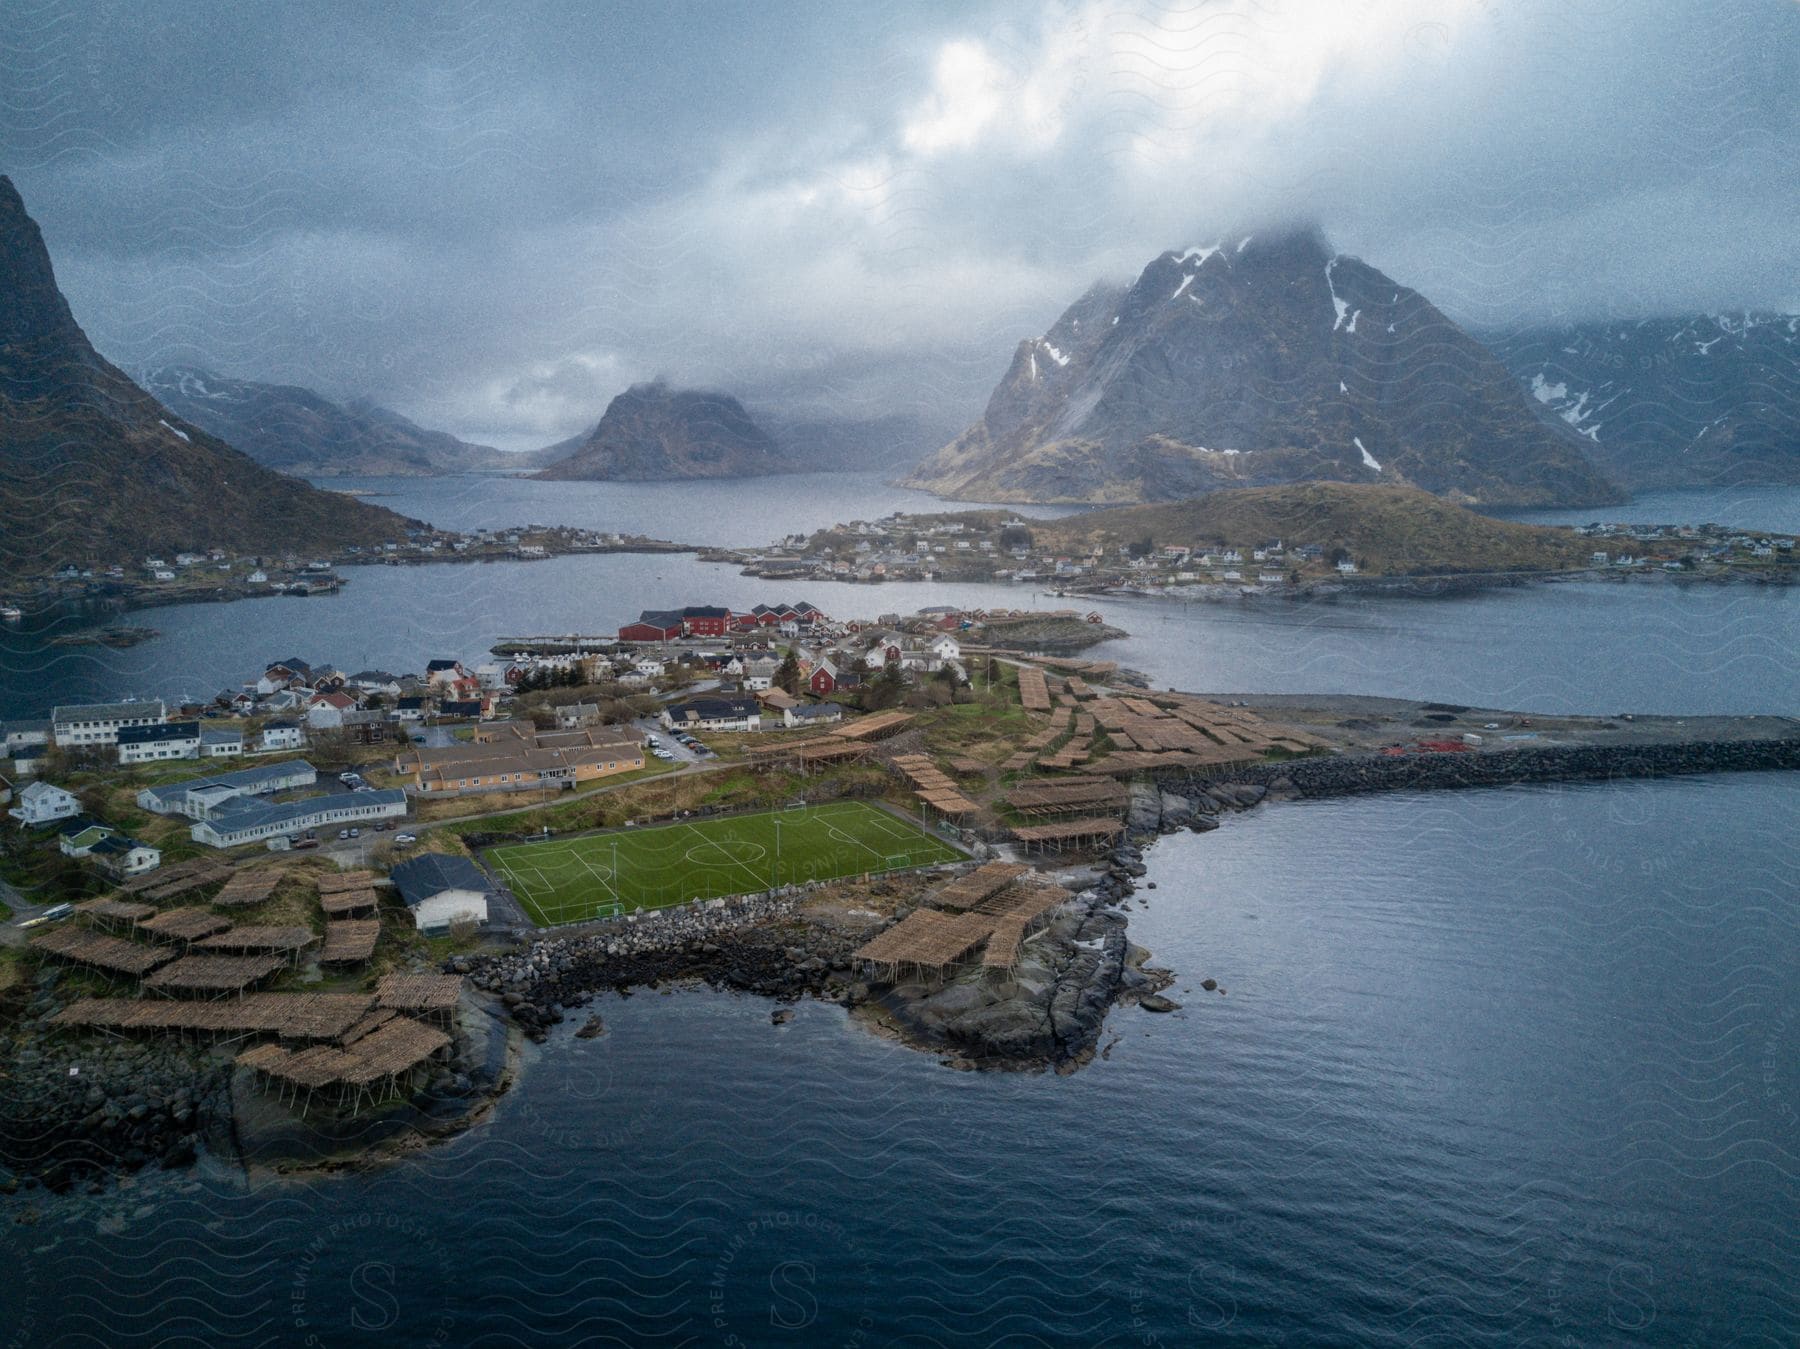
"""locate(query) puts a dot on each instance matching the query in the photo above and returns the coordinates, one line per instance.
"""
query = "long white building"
(250, 820)
(198, 798)
(80, 725)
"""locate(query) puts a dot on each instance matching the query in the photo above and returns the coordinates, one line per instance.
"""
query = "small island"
(1302, 540)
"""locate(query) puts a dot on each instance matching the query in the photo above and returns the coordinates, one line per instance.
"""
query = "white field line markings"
(759, 882)
(603, 882)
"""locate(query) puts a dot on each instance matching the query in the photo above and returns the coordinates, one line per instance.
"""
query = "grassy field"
(570, 880)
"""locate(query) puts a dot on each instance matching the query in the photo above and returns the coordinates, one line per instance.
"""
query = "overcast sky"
(495, 216)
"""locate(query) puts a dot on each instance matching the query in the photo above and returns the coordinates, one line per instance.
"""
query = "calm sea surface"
(1497, 1068)
(1503, 1068)
(1587, 647)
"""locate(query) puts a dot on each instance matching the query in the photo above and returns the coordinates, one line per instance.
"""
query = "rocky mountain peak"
(655, 432)
(35, 308)
(1258, 359)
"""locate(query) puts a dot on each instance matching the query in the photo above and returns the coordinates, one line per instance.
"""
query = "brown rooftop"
(350, 942)
(292, 1016)
(343, 903)
(249, 886)
(184, 925)
(419, 992)
(115, 955)
(212, 974)
(108, 911)
(259, 937)
(346, 880)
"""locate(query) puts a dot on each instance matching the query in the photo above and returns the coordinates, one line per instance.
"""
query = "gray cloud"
(495, 217)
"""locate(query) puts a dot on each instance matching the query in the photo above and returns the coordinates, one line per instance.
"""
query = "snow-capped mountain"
(299, 432)
(1253, 361)
(1671, 402)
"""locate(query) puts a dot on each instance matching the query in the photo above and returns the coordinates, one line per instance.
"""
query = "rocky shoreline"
(789, 946)
(79, 1111)
(75, 1112)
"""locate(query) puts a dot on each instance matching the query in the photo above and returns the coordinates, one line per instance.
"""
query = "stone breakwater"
(1351, 774)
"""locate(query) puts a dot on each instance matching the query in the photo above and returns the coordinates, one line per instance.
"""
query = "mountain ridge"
(1269, 359)
(1678, 401)
(300, 432)
(93, 469)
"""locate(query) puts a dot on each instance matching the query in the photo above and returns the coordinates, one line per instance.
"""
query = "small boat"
(11, 613)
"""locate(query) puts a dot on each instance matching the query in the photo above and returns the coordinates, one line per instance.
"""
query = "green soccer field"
(572, 880)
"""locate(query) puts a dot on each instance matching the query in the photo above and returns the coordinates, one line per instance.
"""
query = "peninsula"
(941, 836)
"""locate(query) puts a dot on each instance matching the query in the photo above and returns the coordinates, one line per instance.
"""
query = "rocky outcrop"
(76, 1110)
(95, 470)
(1048, 1014)
(655, 433)
(1049, 1011)
(753, 945)
(1251, 363)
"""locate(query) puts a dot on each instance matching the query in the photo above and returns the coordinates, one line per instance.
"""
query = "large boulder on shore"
(1177, 811)
(1144, 815)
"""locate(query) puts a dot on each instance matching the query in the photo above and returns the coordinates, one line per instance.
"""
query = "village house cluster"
(1002, 547)
(1702, 548)
(998, 546)
(459, 729)
(160, 578)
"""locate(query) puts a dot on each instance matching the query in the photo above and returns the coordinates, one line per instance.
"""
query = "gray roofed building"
(440, 888)
(421, 877)
(83, 724)
(197, 798)
(246, 819)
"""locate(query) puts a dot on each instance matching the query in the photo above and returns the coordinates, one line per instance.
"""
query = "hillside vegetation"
(1391, 529)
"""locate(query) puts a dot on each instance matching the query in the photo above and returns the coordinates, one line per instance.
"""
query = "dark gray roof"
(169, 730)
(432, 873)
(712, 709)
(72, 712)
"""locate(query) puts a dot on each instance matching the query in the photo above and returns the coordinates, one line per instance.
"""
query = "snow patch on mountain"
(1369, 460)
(1341, 306)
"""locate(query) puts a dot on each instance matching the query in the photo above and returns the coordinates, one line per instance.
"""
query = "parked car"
(404, 839)
(356, 833)
(343, 833)
(308, 842)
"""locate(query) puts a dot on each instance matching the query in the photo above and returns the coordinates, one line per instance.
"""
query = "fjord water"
(1589, 647)
(1499, 1068)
